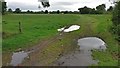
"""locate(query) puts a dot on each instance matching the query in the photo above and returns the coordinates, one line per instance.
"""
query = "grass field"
(36, 28)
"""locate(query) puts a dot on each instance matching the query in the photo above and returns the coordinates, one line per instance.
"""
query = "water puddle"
(82, 56)
(18, 57)
(71, 28)
(90, 43)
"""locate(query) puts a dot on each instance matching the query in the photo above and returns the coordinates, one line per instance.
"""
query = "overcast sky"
(72, 5)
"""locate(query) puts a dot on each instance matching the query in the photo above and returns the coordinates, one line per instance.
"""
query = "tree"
(46, 11)
(116, 14)
(110, 9)
(17, 10)
(85, 10)
(28, 11)
(58, 11)
(65, 12)
(10, 10)
(101, 8)
(3, 6)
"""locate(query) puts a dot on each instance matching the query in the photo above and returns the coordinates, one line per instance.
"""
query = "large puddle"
(18, 57)
(71, 28)
(82, 56)
(90, 43)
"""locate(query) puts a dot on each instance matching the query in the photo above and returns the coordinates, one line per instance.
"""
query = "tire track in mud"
(36, 50)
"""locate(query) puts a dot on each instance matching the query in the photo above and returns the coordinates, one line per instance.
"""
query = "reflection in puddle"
(71, 28)
(18, 57)
(82, 57)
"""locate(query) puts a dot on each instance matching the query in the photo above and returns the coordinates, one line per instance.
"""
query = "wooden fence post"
(20, 29)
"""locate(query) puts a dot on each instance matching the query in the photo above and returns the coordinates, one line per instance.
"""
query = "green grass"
(38, 27)
(34, 28)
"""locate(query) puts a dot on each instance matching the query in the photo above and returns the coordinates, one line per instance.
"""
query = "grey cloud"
(58, 8)
(61, 5)
(22, 6)
(64, 3)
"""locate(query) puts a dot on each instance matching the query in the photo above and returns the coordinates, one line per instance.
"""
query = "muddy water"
(18, 57)
(82, 56)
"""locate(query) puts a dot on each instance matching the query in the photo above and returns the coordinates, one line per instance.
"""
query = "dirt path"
(42, 44)
(33, 52)
(36, 50)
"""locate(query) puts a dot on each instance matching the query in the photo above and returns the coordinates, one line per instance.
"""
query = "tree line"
(84, 10)
(18, 10)
(100, 9)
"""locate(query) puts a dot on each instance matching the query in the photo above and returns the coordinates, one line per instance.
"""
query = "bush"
(116, 20)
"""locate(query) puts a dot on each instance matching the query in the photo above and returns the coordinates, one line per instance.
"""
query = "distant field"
(35, 28)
